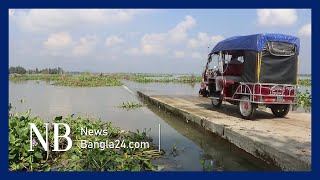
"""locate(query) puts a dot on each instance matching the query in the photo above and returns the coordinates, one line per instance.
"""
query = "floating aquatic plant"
(88, 81)
(84, 80)
(76, 159)
(304, 82)
(304, 100)
(130, 105)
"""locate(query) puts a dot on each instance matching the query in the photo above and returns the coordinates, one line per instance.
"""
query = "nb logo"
(44, 143)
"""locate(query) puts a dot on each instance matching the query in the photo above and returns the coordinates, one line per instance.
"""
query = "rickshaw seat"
(232, 79)
(229, 80)
(233, 70)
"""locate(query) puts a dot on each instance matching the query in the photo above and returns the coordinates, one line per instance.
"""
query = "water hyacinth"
(38, 77)
(130, 105)
(304, 82)
(88, 81)
(77, 158)
(146, 78)
(84, 80)
(304, 100)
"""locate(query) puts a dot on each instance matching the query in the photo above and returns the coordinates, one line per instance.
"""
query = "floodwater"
(195, 147)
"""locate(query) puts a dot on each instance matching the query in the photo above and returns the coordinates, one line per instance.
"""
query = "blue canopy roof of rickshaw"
(255, 42)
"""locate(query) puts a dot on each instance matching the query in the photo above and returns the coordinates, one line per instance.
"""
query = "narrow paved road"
(284, 141)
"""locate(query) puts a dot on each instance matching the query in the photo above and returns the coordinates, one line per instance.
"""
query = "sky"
(141, 40)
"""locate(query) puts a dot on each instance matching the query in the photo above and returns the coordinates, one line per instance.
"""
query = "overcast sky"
(145, 40)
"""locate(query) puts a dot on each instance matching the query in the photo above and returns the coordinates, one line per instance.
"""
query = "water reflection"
(220, 154)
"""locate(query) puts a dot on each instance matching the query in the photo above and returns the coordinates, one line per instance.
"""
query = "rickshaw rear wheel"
(246, 108)
(216, 103)
(280, 110)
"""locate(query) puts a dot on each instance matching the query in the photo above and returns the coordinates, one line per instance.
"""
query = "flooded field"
(187, 148)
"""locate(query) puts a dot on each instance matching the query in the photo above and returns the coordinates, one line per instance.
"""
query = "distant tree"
(60, 70)
(21, 70)
(17, 70)
(12, 70)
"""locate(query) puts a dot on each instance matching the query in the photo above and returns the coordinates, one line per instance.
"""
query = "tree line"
(22, 70)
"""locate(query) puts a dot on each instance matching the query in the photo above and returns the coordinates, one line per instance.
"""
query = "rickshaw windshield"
(214, 61)
(281, 49)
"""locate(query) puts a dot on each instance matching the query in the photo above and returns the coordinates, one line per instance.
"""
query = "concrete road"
(285, 142)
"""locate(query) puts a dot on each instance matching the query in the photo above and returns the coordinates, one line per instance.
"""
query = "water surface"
(195, 148)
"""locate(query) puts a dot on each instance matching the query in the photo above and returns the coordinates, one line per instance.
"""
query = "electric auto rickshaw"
(254, 71)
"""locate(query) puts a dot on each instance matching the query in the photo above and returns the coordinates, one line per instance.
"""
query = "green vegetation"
(38, 77)
(17, 70)
(77, 158)
(22, 70)
(175, 150)
(88, 80)
(304, 100)
(130, 105)
(208, 165)
(91, 80)
(151, 78)
(190, 79)
(70, 80)
(304, 82)
(55, 74)
(147, 78)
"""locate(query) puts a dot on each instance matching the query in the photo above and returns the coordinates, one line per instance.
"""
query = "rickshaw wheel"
(280, 110)
(245, 108)
(216, 103)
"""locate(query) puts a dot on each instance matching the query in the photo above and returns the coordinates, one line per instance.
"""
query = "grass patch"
(77, 158)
